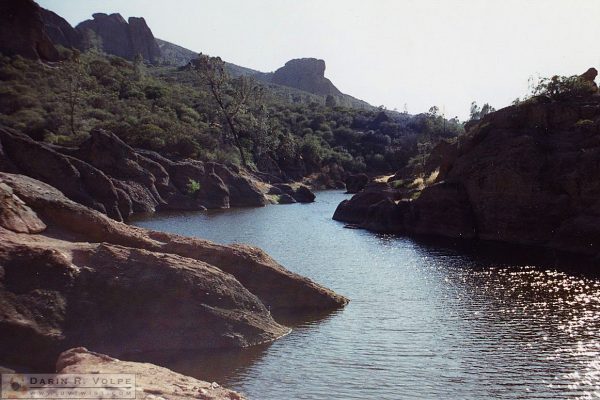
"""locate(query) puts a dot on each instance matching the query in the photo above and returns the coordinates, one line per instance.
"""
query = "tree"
(561, 87)
(330, 101)
(477, 113)
(74, 74)
(231, 96)
(485, 110)
(138, 67)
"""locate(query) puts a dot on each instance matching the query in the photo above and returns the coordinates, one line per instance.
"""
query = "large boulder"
(151, 381)
(355, 210)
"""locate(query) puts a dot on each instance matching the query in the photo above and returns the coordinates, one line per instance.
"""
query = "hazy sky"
(419, 53)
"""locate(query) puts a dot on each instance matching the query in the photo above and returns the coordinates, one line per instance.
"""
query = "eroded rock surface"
(151, 381)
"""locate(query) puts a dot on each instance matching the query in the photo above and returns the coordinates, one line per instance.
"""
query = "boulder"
(286, 199)
(151, 381)
(303, 194)
(300, 193)
(356, 183)
(355, 210)
(15, 215)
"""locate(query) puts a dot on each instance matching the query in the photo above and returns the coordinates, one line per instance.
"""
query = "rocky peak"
(122, 38)
(306, 74)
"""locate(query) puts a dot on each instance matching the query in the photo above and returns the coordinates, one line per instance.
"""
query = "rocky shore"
(70, 276)
(525, 174)
(106, 174)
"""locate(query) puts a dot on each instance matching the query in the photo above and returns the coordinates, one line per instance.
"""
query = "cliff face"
(525, 174)
(122, 38)
(22, 31)
(60, 31)
(306, 74)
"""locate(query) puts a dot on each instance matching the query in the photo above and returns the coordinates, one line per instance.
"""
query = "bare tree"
(73, 71)
(232, 96)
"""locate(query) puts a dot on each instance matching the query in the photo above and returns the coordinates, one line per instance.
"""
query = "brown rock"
(15, 215)
(151, 381)
(523, 175)
(306, 74)
(122, 38)
(356, 183)
(590, 76)
(60, 31)
(22, 31)
(76, 179)
(356, 209)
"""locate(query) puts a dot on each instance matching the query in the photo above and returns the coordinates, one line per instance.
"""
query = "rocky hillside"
(109, 176)
(525, 174)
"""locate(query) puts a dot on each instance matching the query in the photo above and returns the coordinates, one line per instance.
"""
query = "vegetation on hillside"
(173, 111)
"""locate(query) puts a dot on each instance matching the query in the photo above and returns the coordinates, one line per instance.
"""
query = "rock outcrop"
(298, 193)
(523, 174)
(87, 280)
(107, 175)
(22, 31)
(122, 38)
(151, 381)
(306, 74)
(356, 183)
(60, 31)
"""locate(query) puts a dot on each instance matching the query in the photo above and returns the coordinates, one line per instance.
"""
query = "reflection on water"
(426, 320)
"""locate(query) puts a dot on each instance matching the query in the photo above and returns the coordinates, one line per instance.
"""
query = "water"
(425, 321)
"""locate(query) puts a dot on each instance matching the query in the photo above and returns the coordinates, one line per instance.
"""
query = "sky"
(402, 54)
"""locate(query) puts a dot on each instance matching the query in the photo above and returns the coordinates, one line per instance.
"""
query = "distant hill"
(299, 81)
(176, 55)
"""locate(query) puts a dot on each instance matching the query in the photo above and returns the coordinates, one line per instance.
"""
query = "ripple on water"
(424, 322)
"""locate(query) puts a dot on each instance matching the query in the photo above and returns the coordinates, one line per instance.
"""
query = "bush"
(192, 187)
(562, 87)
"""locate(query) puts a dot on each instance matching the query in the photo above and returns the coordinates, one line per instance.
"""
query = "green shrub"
(192, 187)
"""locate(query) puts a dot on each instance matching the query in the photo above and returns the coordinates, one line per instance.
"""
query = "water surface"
(425, 321)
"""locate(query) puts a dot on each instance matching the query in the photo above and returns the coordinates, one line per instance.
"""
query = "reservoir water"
(425, 321)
